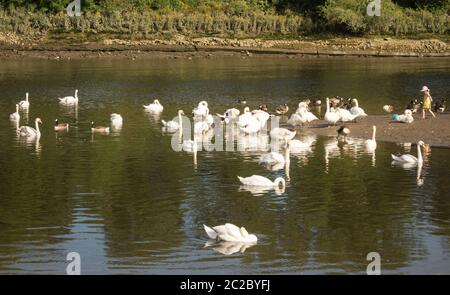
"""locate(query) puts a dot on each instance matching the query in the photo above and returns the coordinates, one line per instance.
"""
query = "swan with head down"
(230, 233)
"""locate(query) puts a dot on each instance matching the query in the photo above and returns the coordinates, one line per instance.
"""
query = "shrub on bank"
(231, 18)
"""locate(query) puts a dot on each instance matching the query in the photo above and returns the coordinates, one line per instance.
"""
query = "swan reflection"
(228, 248)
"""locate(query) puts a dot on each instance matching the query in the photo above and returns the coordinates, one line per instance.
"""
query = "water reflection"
(131, 204)
(228, 248)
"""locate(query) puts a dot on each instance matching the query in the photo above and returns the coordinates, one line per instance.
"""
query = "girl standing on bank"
(426, 101)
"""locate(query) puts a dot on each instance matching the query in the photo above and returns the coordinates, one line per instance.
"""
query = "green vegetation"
(237, 18)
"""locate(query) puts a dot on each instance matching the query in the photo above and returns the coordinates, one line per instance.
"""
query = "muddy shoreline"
(17, 47)
(433, 131)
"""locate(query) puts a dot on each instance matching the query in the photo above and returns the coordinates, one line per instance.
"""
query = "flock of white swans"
(247, 123)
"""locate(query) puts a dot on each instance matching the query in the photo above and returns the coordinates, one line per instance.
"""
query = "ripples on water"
(129, 204)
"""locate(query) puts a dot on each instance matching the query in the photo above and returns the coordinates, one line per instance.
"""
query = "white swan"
(69, 99)
(201, 110)
(257, 180)
(306, 115)
(296, 120)
(245, 117)
(331, 117)
(24, 104)
(155, 107)
(190, 145)
(371, 144)
(282, 133)
(230, 233)
(261, 116)
(345, 115)
(116, 120)
(271, 158)
(229, 114)
(296, 144)
(252, 126)
(410, 158)
(356, 110)
(15, 116)
(173, 125)
(29, 132)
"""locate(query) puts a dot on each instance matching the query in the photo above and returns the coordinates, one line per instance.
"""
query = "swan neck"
(37, 127)
(374, 133)
(328, 105)
(419, 154)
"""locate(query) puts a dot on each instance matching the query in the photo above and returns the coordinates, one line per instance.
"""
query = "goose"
(356, 110)
(388, 108)
(410, 158)
(264, 108)
(229, 233)
(173, 125)
(60, 126)
(405, 118)
(116, 120)
(24, 104)
(342, 132)
(282, 133)
(99, 129)
(440, 105)
(29, 132)
(371, 144)
(15, 116)
(282, 109)
(242, 101)
(257, 180)
(331, 117)
(154, 107)
(69, 99)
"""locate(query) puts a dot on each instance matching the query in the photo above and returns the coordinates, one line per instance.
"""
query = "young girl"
(426, 101)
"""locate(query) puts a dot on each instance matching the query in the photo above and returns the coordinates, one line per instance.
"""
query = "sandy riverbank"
(178, 46)
(433, 131)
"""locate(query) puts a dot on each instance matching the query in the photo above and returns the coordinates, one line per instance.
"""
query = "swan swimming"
(410, 158)
(173, 125)
(29, 132)
(230, 233)
(24, 104)
(155, 107)
(282, 134)
(116, 121)
(371, 144)
(257, 180)
(15, 116)
(69, 99)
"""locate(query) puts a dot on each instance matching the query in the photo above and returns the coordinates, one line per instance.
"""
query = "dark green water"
(129, 204)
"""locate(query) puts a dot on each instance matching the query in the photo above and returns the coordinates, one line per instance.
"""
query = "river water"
(128, 203)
